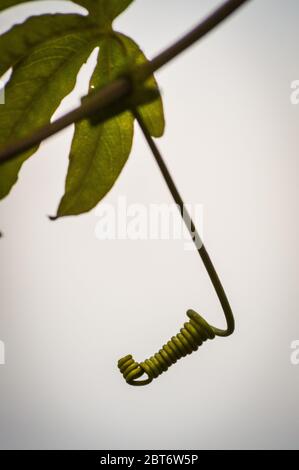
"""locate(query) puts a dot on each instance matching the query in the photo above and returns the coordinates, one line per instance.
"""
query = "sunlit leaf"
(37, 86)
(98, 152)
(107, 10)
(21, 39)
(104, 11)
(4, 4)
(152, 113)
(46, 53)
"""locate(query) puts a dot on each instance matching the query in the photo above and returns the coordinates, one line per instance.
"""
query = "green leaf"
(104, 11)
(151, 113)
(107, 10)
(21, 39)
(37, 86)
(46, 53)
(98, 152)
(88, 4)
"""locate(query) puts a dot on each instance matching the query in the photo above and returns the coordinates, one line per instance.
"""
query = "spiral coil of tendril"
(190, 337)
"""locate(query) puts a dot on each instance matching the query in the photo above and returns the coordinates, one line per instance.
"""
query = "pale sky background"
(72, 305)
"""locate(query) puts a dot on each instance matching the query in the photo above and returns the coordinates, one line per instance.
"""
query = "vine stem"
(121, 88)
(192, 230)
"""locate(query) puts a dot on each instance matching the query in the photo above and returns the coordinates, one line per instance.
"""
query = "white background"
(71, 305)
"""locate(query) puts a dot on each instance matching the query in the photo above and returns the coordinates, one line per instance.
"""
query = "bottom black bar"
(132, 459)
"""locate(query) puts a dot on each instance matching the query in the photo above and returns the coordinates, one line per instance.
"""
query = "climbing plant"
(46, 53)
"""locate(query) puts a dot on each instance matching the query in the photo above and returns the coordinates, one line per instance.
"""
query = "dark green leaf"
(152, 113)
(20, 40)
(103, 10)
(46, 53)
(107, 10)
(88, 4)
(37, 86)
(98, 152)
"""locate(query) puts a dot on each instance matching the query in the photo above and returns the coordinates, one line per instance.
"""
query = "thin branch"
(99, 101)
(201, 30)
(121, 87)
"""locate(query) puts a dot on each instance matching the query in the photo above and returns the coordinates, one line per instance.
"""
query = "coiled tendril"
(190, 337)
(197, 329)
